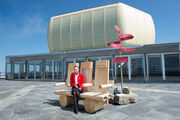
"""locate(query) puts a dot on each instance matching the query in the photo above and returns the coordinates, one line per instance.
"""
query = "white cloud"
(30, 25)
(27, 26)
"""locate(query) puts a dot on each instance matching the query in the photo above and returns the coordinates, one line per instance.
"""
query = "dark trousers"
(75, 92)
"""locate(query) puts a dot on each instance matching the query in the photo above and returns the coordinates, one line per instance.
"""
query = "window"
(137, 69)
(172, 65)
(155, 65)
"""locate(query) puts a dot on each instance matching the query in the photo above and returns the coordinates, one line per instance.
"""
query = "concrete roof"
(146, 49)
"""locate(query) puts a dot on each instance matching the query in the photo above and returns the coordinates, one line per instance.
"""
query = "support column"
(52, 69)
(19, 71)
(147, 64)
(27, 67)
(34, 70)
(12, 70)
(6, 69)
(129, 67)
(145, 69)
(43, 69)
(112, 72)
(163, 67)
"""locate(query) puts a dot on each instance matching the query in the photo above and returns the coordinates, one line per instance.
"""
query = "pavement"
(31, 100)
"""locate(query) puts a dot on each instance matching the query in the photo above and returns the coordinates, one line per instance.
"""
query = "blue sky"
(23, 23)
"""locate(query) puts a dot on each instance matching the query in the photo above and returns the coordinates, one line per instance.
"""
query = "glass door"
(22, 68)
(19, 70)
(137, 68)
(155, 67)
(31, 70)
(35, 70)
(58, 69)
(49, 69)
(38, 70)
(16, 71)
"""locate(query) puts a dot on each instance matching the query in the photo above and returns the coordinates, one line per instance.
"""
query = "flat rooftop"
(28, 100)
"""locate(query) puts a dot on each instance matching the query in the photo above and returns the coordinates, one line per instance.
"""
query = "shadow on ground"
(52, 102)
(69, 108)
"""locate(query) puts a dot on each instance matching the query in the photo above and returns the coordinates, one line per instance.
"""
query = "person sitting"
(76, 80)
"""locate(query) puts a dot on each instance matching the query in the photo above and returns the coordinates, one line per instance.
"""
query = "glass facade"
(8, 71)
(8, 66)
(53, 69)
(22, 68)
(31, 70)
(16, 71)
(155, 66)
(172, 65)
(137, 67)
(49, 69)
(159, 67)
(58, 69)
(125, 71)
(19, 70)
(35, 70)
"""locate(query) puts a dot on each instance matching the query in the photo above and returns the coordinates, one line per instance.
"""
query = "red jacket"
(80, 79)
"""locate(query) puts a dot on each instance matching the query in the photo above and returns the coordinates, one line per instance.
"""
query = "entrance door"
(19, 70)
(16, 71)
(35, 70)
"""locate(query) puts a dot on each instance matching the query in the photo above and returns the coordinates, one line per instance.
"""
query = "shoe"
(75, 111)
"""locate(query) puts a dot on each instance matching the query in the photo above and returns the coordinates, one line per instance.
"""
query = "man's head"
(76, 69)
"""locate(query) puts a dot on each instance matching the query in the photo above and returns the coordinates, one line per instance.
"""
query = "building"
(83, 36)
(94, 28)
(148, 63)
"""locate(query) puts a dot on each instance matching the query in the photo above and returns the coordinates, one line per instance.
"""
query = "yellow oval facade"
(94, 28)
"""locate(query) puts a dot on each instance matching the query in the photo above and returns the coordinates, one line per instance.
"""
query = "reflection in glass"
(58, 69)
(16, 71)
(35, 70)
(48, 70)
(38, 70)
(172, 65)
(155, 65)
(137, 69)
(8, 70)
(124, 68)
(31, 70)
(22, 70)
